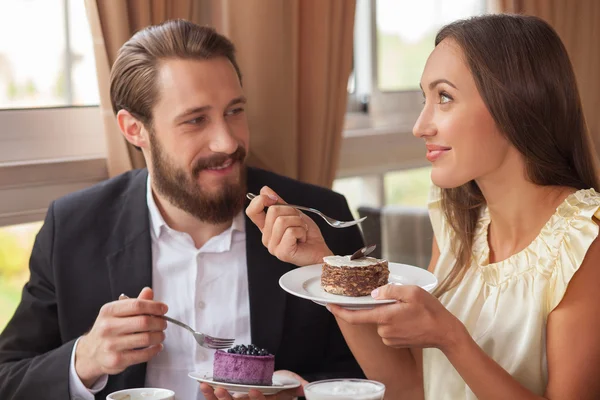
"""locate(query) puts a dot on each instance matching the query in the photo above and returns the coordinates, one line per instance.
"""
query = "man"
(177, 227)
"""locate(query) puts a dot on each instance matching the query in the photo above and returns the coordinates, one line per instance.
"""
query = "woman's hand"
(290, 235)
(417, 319)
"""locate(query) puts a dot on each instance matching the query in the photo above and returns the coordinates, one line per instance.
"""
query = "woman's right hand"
(287, 233)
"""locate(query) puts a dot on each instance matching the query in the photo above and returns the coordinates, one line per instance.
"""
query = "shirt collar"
(157, 222)
(156, 219)
(224, 241)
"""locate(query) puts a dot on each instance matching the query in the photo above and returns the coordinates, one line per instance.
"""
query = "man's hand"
(126, 332)
(222, 394)
(290, 235)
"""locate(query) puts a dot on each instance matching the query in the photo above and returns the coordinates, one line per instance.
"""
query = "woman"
(517, 311)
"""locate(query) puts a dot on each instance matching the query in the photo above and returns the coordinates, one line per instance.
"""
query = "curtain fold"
(578, 25)
(324, 66)
(295, 57)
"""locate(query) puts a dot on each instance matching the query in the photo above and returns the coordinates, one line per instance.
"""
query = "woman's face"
(462, 139)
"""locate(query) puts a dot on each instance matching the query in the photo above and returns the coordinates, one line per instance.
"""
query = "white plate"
(305, 282)
(279, 383)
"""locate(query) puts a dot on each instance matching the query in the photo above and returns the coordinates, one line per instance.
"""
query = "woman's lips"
(435, 151)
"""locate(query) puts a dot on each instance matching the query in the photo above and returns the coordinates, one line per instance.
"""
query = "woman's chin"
(445, 179)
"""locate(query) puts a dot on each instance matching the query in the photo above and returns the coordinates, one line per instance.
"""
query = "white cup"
(142, 394)
(344, 389)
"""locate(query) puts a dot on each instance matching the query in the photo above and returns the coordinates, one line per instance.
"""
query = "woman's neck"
(518, 211)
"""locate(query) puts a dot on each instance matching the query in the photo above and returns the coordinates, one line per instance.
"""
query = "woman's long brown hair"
(524, 75)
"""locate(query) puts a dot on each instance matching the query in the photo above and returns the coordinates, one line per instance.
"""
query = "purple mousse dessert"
(246, 365)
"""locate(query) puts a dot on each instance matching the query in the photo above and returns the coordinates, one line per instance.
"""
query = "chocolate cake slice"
(354, 278)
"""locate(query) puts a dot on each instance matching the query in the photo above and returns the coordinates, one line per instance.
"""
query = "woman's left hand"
(417, 319)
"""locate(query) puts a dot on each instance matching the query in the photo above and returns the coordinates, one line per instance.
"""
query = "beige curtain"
(295, 55)
(578, 24)
(112, 23)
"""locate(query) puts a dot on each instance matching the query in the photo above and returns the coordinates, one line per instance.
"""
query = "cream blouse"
(505, 305)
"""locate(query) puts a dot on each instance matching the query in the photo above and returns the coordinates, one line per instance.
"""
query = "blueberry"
(249, 350)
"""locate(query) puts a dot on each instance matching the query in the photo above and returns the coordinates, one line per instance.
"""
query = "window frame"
(386, 107)
(46, 153)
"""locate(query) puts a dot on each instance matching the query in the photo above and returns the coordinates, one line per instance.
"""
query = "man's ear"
(133, 129)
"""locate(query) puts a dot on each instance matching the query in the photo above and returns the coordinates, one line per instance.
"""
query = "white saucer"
(279, 383)
(305, 282)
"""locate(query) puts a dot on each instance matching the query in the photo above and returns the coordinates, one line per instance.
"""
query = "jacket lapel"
(267, 299)
(129, 260)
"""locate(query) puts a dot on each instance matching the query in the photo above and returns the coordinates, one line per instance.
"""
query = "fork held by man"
(330, 221)
(287, 233)
(126, 332)
(204, 340)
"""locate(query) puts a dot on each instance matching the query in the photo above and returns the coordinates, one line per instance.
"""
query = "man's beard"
(186, 193)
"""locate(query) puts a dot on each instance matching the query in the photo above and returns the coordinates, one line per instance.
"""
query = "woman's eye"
(445, 98)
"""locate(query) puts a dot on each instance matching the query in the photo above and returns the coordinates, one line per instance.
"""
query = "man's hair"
(134, 73)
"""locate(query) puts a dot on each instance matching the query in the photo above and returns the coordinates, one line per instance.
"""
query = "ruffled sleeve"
(571, 235)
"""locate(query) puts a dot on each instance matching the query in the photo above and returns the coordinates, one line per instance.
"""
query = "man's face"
(199, 138)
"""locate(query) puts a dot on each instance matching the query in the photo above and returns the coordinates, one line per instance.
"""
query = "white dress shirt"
(206, 288)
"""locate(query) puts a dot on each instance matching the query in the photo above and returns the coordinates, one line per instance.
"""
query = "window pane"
(405, 36)
(359, 191)
(16, 243)
(33, 63)
(351, 83)
(83, 62)
(409, 187)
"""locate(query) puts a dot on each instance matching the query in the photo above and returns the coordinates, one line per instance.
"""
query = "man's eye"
(236, 111)
(196, 121)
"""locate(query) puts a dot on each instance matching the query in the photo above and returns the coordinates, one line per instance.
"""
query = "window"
(405, 37)
(392, 40)
(56, 35)
(52, 140)
(359, 191)
(408, 187)
(16, 243)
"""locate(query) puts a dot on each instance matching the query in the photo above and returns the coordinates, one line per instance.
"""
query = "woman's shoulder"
(573, 233)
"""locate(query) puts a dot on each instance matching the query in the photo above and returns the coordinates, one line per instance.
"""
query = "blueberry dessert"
(246, 365)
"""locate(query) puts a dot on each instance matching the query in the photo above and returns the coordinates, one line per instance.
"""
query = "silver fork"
(332, 222)
(204, 340)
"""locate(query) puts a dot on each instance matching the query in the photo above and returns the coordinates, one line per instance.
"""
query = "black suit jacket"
(95, 244)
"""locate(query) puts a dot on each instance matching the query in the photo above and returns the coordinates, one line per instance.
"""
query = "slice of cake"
(359, 277)
(246, 365)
